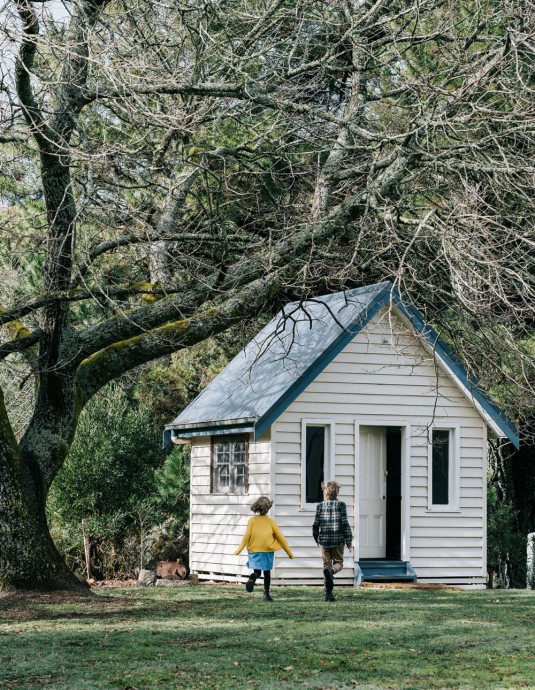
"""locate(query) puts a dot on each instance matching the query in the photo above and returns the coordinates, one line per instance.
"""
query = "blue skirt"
(260, 560)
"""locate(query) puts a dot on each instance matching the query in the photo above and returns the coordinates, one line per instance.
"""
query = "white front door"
(372, 492)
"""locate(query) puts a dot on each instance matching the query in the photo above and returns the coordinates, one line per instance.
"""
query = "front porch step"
(384, 571)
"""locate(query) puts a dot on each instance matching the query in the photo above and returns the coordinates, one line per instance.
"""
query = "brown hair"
(330, 490)
(262, 505)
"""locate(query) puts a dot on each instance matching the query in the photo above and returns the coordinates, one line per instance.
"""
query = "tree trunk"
(28, 556)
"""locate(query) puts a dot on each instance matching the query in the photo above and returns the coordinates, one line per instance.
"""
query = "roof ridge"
(364, 289)
(285, 356)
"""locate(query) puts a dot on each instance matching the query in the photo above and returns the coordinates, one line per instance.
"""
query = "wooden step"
(384, 571)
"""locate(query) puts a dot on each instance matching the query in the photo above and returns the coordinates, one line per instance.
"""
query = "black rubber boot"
(329, 596)
(267, 584)
(329, 578)
(249, 585)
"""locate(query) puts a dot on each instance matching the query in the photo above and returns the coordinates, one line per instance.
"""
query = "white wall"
(386, 374)
(217, 523)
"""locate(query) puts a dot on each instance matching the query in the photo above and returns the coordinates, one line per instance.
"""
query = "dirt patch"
(99, 584)
(37, 597)
(31, 605)
(409, 585)
(18, 605)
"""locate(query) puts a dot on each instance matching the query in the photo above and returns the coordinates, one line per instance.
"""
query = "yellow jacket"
(263, 534)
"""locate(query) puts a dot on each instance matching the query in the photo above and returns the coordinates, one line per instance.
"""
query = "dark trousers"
(267, 578)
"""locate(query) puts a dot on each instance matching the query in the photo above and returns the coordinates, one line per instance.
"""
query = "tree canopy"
(169, 170)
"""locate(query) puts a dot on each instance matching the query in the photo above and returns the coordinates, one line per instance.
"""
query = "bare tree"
(196, 163)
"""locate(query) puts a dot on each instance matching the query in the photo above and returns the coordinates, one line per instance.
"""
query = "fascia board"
(231, 426)
(500, 424)
(299, 385)
(188, 426)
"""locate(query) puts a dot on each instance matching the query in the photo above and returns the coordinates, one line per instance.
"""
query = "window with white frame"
(443, 468)
(230, 465)
(317, 459)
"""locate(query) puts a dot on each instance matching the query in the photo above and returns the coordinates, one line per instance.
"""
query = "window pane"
(223, 478)
(315, 462)
(238, 464)
(440, 466)
(223, 458)
(221, 452)
(240, 477)
(230, 465)
(239, 453)
(222, 466)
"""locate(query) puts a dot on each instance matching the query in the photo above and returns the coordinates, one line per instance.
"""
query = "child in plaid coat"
(331, 530)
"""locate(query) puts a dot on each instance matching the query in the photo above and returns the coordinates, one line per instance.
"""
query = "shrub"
(107, 488)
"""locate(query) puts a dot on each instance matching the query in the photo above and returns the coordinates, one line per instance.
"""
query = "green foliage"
(118, 486)
(172, 485)
(112, 459)
(173, 383)
(108, 481)
(172, 482)
(506, 544)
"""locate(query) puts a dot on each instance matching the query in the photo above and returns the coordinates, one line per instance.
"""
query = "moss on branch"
(101, 367)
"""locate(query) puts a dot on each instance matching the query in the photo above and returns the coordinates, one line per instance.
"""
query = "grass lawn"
(222, 637)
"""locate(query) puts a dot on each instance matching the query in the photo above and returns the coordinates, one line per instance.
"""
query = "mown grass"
(222, 637)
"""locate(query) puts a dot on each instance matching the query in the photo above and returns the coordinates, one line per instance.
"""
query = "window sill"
(443, 510)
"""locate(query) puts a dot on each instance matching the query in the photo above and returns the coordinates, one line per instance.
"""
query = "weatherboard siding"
(218, 522)
(385, 374)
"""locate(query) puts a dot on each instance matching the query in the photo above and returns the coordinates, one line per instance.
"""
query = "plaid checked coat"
(331, 526)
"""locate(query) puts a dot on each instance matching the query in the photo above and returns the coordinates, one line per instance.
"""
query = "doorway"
(379, 480)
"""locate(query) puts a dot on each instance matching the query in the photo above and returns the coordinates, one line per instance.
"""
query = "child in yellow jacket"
(262, 538)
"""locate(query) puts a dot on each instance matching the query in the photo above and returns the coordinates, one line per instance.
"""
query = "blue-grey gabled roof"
(290, 352)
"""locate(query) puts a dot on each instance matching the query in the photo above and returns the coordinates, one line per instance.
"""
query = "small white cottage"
(355, 387)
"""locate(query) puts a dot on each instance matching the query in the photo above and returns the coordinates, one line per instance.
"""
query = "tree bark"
(87, 552)
(29, 558)
(357, 193)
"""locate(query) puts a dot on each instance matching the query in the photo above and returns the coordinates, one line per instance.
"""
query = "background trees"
(104, 501)
(175, 170)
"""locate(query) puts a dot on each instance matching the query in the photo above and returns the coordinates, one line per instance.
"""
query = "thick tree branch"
(102, 292)
(20, 344)
(23, 70)
(139, 321)
(105, 365)
(75, 70)
(149, 238)
(210, 89)
(246, 91)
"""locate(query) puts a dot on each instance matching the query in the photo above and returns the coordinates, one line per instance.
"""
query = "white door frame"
(405, 482)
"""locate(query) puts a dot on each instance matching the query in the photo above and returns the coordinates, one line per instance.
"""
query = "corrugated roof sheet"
(277, 357)
(288, 353)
